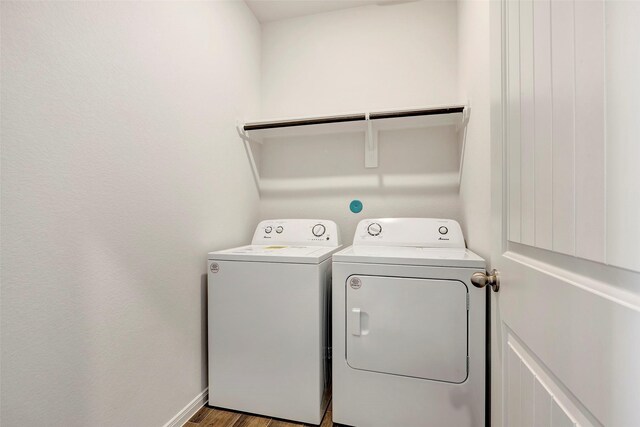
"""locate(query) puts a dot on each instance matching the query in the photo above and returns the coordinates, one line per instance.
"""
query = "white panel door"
(411, 327)
(565, 155)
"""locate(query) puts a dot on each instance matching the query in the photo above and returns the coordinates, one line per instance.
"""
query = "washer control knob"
(279, 229)
(443, 230)
(374, 229)
(268, 229)
(318, 230)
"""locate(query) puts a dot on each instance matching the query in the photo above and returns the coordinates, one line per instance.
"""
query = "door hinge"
(329, 353)
(467, 302)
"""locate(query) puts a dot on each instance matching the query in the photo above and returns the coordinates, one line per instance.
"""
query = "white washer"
(408, 327)
(269, 321)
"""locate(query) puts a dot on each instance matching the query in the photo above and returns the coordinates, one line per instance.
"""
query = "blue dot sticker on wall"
(355, 206)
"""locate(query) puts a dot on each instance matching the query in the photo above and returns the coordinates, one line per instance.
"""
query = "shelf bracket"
(245, 134)
(247, 146)
(371, 145)
(462, 126)
(466, 113)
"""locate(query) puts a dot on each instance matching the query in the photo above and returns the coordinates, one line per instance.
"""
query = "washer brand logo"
(355, 283)
(214, 267)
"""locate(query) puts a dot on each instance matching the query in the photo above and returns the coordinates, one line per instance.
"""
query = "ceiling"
(273, 10)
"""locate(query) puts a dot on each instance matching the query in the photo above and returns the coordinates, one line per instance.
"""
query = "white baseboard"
(188, 411)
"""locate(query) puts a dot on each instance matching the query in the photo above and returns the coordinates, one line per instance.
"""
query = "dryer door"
(406, 326)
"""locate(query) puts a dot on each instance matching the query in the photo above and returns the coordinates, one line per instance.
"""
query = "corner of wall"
(474, 86)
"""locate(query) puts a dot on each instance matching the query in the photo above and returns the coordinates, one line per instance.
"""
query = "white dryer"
(269, 314)
(408, 327)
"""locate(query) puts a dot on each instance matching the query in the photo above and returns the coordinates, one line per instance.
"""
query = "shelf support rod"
(370, 145)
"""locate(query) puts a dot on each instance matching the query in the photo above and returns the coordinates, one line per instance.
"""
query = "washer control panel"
(416, 232)
(308, 232)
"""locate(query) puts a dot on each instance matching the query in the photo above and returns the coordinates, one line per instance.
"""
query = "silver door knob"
(480, 280)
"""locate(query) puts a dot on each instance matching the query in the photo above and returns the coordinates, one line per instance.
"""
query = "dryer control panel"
(308, 232)
(414, 232)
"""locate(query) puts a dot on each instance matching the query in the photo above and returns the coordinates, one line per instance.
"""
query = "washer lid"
(276, 253)
(403, 255)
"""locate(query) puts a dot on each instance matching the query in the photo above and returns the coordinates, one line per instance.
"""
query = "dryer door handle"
(356, 322)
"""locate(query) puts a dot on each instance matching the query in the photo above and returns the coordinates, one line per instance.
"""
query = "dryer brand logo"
(355, 283)
(214, 267)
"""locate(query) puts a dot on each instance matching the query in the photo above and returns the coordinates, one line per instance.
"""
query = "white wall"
(120, 169)
(474, 86)
(365, 58)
